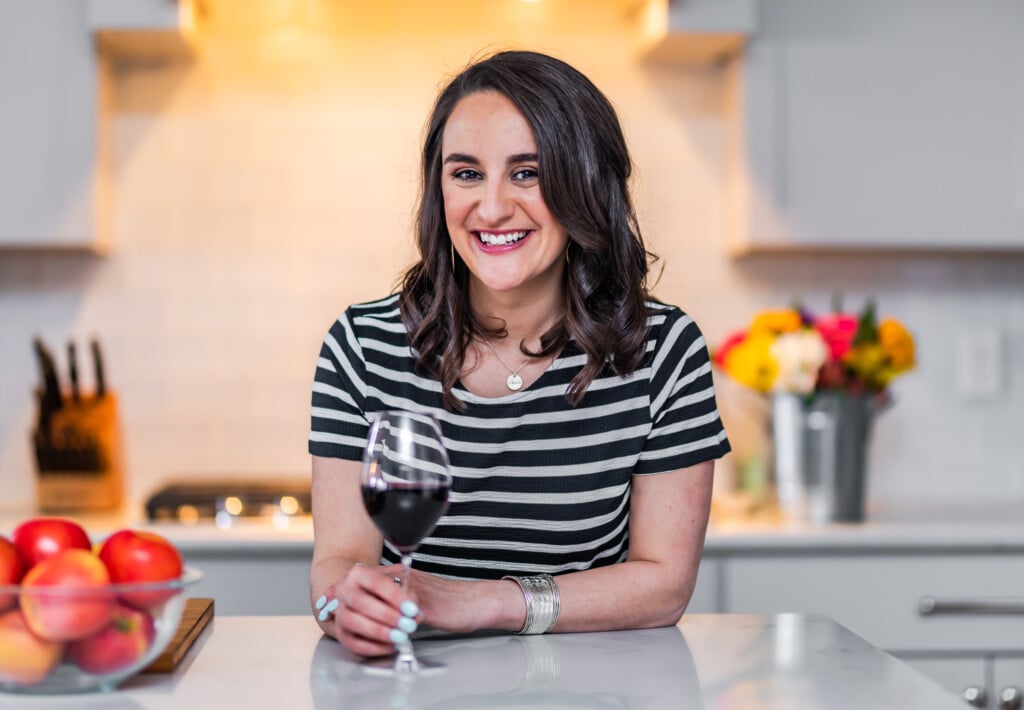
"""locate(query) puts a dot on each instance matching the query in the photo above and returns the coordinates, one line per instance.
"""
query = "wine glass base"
(387, 667)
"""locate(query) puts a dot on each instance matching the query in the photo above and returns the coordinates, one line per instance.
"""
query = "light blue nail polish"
(409, 608)
(321, 601)
(398, 636)
(334, 603)
(323, 615)
(407, 625)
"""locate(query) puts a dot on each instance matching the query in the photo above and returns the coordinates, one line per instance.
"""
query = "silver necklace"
(514, 382)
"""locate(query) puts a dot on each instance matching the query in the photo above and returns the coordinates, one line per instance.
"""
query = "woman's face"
(497, 219)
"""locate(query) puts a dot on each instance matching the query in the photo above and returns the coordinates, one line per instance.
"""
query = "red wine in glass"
(405, 484)
(406, 512)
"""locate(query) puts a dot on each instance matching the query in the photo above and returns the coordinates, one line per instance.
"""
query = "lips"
(501, 239)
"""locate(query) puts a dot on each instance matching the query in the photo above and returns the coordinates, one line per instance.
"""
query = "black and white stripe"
(539, 485)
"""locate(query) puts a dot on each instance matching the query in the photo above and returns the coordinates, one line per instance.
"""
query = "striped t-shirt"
(539, 485)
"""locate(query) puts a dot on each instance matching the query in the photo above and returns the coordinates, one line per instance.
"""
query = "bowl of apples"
(81, 617)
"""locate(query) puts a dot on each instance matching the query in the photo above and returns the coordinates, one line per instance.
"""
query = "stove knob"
(1010, 698)
(975, 696)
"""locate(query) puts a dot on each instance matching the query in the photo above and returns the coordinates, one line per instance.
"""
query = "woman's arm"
(346, 562)
(668, 518)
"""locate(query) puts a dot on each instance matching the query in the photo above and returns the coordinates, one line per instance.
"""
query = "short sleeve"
(338, 426)
(685, 425)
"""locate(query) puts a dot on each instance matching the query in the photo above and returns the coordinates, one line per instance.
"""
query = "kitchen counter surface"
(787, 661)
(982, 529)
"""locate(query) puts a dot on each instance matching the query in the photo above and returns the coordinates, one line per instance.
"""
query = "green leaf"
(867, 326)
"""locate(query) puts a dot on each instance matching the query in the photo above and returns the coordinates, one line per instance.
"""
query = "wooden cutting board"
(198, 613)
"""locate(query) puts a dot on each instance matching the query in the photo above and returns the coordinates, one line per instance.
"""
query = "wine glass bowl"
(405, 483)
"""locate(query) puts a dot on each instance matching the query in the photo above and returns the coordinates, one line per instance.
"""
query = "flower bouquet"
(792, 350)
(827, 377)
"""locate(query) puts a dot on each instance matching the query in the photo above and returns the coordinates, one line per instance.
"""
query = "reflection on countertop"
(503, 671)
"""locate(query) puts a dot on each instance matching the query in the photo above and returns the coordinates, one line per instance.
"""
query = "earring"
(451, 245)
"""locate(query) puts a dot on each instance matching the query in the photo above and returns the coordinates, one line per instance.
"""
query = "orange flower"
(776, 322)
(897, 343)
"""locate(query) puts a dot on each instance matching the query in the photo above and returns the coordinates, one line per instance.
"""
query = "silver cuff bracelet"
(542, 602)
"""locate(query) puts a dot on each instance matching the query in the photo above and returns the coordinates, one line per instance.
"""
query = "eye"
(525, 175)
(467, 174)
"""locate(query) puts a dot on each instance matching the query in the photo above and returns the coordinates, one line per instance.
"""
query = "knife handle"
(97, 363)
(52, 399)
(73, 371)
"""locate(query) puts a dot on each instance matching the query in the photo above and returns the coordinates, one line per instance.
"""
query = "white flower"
(799, 355)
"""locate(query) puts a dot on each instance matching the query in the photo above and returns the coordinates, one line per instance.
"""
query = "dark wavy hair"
(584, 169)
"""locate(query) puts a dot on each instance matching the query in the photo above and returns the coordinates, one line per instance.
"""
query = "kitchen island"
(784, 662)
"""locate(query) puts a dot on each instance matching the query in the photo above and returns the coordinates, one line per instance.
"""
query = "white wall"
(270, 181)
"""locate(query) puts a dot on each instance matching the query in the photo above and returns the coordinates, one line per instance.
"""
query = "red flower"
(728, 344)
(838, 330)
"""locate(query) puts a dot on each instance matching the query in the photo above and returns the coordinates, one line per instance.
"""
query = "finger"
(367, 605)
(361, 645)
(409, 604)
(380, 582)
(368, 635)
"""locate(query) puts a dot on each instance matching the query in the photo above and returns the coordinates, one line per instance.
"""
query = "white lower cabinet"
(253, 584)
(957, 618)
(705, 598)
(1008, 681)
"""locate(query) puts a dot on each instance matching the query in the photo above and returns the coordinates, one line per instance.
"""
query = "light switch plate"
(979, 363)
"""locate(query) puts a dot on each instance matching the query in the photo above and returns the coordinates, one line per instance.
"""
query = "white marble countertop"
(784, 662)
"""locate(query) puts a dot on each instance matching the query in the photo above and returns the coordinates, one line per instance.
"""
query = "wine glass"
(405, 484)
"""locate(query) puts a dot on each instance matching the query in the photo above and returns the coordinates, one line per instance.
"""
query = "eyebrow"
(473, 160)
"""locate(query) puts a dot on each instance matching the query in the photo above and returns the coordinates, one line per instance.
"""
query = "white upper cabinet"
(54, 157)
(880, 124)
(48, 127)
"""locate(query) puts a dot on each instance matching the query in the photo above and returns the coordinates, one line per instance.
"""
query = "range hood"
(697, 32)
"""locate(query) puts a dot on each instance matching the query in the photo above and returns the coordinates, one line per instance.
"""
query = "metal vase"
(820, 444)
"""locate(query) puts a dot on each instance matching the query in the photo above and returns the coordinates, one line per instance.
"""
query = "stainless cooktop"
(223, 500)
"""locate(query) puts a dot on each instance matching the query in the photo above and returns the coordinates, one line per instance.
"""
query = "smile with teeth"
(495, 240)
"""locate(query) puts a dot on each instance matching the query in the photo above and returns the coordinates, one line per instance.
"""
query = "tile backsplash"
(257, 193)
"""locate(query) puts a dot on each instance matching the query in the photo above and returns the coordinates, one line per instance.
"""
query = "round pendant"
(514, 382)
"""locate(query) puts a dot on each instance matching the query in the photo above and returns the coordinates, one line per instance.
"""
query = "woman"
(578, 413)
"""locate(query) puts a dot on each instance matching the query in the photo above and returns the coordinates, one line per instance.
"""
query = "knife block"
(79, 461)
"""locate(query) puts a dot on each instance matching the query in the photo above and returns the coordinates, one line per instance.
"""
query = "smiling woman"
(577, 411)
(497, 219)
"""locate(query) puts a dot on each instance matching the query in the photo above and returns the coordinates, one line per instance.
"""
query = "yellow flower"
(776, 322)
(751, 363)
(897, 343)
(867, 360)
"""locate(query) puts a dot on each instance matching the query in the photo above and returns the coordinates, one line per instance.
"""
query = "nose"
(496, 204)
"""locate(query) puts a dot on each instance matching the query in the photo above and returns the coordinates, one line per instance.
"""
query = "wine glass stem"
(406, 566)
(406, 660)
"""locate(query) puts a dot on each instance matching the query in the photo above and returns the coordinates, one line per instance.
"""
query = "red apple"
(137, 556)
(24, 658)
(66, 597)
(41, 538)
(11, 569)
(117, 645)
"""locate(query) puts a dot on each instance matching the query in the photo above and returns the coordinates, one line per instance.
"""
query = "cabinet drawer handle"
(930, 606)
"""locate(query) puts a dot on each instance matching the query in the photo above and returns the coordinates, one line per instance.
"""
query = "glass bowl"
(69, 639)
